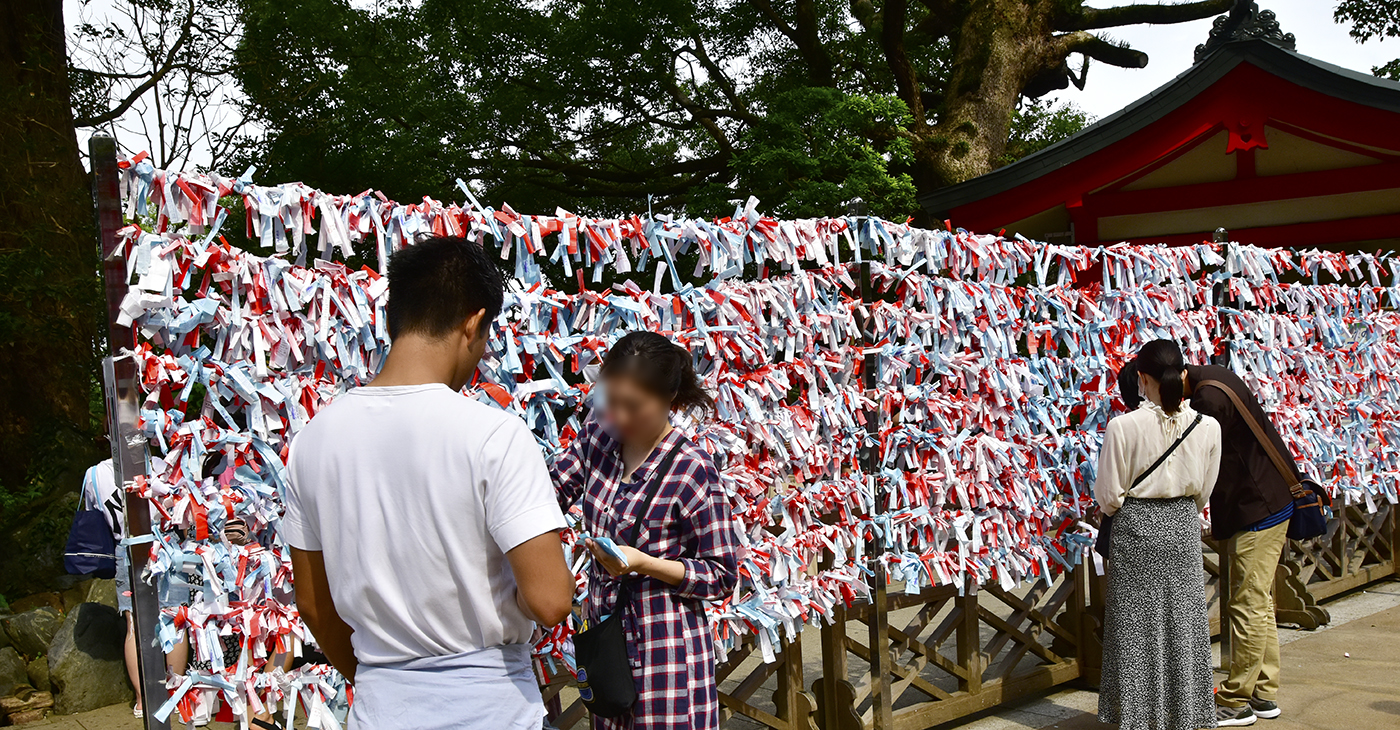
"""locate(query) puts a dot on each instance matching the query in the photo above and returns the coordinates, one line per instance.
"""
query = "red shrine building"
(1277, 148)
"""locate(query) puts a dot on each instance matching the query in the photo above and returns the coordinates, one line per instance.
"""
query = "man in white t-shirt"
(423, 524)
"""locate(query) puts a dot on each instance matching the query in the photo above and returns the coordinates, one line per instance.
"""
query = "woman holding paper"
(1156, 470)
(631, 468)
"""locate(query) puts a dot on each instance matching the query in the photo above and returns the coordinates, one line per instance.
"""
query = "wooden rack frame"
(940, 655)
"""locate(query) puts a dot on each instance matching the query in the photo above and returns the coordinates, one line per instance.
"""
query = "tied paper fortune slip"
(994, 368)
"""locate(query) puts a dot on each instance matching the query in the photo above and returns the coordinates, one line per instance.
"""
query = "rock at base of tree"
(38, 600)
(28, 706)
(39, 674)
(12, 671)
(86, 666)
(91, 590)
(30, 632)
(27, 716)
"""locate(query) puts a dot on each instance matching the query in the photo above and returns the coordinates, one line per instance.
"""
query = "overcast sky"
(1170, 49)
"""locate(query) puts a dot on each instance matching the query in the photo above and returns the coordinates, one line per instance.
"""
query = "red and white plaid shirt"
(669, 640)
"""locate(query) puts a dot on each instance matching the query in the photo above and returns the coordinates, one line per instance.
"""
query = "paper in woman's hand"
(611, 548)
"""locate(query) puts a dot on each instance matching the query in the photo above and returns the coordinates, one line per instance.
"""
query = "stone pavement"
(1323, 687)
(1342, 679)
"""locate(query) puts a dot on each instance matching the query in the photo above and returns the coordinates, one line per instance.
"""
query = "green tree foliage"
(611, 105)
(1039, 124)
(818, 148)
(1373, 19)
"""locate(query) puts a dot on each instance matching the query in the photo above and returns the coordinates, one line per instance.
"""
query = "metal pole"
(1223, 552)
(128, 443)
(881, 703)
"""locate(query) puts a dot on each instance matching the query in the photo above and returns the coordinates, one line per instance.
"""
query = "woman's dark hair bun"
(1162, 359)
(660, 366)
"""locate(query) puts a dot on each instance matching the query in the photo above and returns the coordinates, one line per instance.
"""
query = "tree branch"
(741, 110)
(588, 169)
(864, 12)
(943, 16)
(766, 8)
(1099, 49)
(157, 73)
(697, 112)
(804, 36)
(106, 74)
(1092, 18)
(895, 16)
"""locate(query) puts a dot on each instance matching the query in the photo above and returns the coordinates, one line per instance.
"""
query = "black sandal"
(265, 725)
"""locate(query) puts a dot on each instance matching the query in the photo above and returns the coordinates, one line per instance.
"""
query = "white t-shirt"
(1133, 441)
(415, 494)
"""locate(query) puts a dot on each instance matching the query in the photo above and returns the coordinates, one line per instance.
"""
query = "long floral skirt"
(1156, 654)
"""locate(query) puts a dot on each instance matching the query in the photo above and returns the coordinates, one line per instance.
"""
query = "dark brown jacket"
(1249, 487)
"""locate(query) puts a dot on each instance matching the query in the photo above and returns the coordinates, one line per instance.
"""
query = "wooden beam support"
(996, 692)
(1000, 624)
(793, 703)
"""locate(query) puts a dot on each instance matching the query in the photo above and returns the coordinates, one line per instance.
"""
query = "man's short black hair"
(435, 284)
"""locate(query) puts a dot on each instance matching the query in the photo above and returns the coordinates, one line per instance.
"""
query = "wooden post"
(1340, 548)
(792, 702)
(881, 701)
(128, 443)
(1088, 649)
(970, 637)
(1395, 539)
(836, 696)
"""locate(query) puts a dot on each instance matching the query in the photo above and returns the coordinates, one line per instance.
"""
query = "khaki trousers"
(1254, 660)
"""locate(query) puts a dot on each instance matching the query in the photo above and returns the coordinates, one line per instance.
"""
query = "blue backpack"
(91, 548)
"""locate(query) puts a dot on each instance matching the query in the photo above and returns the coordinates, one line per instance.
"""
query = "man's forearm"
(318, 610)
(333, 636)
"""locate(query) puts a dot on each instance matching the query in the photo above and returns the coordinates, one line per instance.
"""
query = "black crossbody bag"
(605, 682)
(1105, 539)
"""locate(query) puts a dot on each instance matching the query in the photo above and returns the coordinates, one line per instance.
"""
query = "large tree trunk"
(1000, 45)
(50, 292)
(1001, 49)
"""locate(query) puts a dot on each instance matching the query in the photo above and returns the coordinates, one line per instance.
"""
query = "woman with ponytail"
(1156, 470)
(631, 468)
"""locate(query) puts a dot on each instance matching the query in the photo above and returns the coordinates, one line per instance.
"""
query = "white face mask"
(1146, 384)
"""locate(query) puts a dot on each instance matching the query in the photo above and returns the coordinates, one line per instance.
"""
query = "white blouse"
(1134, 441)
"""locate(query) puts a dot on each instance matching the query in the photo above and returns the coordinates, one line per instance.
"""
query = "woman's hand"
(637, 561)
